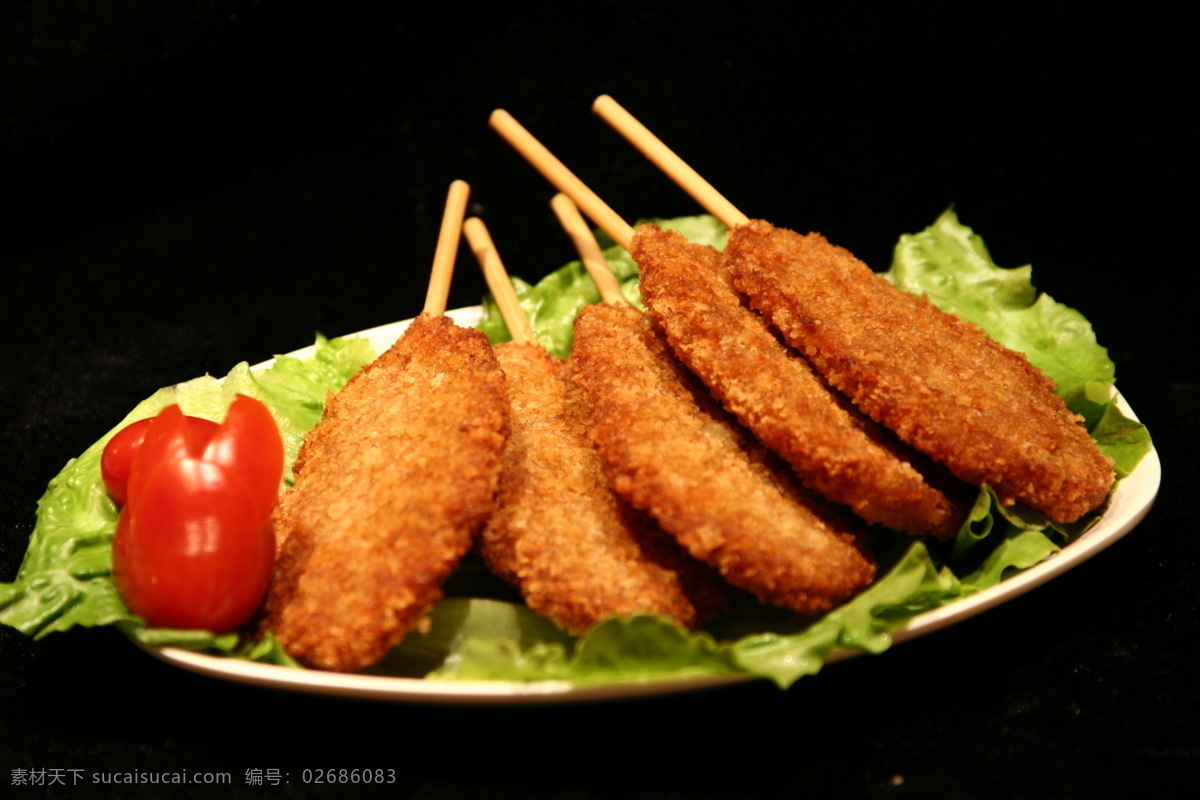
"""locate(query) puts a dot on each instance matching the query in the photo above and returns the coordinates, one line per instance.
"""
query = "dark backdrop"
(193, 184)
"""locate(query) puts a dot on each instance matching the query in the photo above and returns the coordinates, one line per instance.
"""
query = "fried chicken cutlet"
(577, 552)
(941, 384)
(669, 450)
(835, 450)
(391, 486)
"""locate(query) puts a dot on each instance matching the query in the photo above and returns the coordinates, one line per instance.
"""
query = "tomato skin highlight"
(166, 439)
(248, 441)
(116, 461)
(192, 550)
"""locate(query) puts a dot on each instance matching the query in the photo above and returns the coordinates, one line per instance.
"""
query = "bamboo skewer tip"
(499, 119)
(668, 161)
(588, 249)
(604, 103)
(553, 170)
(498, 281)
(447, 248)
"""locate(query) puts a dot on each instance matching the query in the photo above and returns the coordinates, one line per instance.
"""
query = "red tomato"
(248, 442)
(192, 550)
(117, 459)
(194, 546)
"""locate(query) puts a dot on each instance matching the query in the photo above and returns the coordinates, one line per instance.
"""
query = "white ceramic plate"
(1130, 503)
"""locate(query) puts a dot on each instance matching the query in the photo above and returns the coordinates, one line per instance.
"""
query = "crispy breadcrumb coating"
(576, 551)
(391, 486)
(669, 450)
(835, 450)
(941, 384)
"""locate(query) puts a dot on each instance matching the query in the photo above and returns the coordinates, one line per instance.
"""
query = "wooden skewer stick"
(498, 281)
(447, 248)
(562, 178)
(588, 248)
(670, 163)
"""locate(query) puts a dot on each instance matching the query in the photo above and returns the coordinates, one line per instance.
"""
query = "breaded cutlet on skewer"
(835, 450)
(575, 550)
(391, 486)
(942, 384)
(669, 449)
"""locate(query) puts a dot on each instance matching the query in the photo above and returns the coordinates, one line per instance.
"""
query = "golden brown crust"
(391, 486)
(576, 551)
(941, 384)
(773, 391)
(667, 450)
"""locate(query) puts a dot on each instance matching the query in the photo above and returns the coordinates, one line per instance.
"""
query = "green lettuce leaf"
(913, 585)
(296, 389)
(1124, 440)
(949, 264)
(266, 650)
(65, 578)
(642, 647)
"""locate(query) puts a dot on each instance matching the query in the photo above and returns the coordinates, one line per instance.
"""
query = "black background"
(193, 184)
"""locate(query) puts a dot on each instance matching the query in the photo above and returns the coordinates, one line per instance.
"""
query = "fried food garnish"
(835, 450)
(941, 384)
(669, 449)
(391, 487)
(577, 552)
